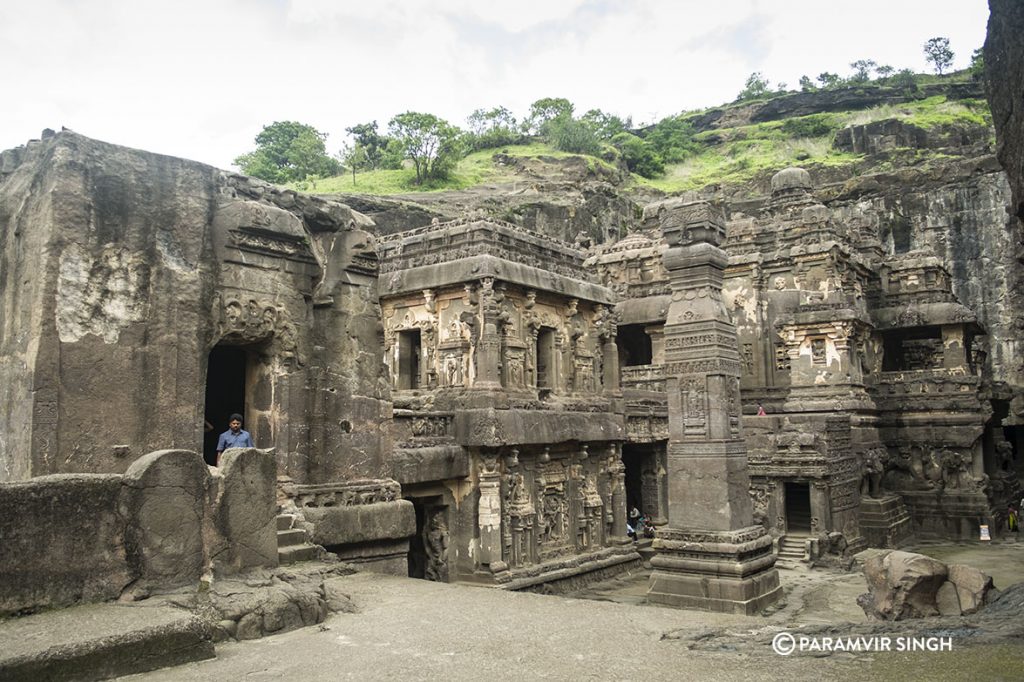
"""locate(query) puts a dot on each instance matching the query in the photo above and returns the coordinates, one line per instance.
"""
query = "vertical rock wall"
(121, 270)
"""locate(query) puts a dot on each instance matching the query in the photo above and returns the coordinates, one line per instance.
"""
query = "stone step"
(291, 537)
(100, 641)
(289, 555)
(285, 521)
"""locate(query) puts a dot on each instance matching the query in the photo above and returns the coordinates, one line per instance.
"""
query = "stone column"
(657, 334)
(617, 471)
(710, 556)
(610, 365)
(489, 511)
(489, 347)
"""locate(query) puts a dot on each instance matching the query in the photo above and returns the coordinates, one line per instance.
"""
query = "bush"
(815, 125)
(571, 135)
(639, 156)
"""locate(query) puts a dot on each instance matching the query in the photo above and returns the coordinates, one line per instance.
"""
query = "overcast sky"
(200, 78)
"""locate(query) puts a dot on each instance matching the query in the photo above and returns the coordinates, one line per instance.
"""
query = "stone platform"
(885, 522)
(724, 571)
(100, 641)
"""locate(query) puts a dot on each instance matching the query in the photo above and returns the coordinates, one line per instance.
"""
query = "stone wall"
(71, 538)
(63, 542)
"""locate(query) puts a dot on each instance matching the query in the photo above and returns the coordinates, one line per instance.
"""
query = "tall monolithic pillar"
(710, 556)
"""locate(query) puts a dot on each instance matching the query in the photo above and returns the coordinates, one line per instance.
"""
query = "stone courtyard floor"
(419, 630)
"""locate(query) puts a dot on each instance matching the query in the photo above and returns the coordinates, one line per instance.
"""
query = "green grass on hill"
(737, 155)
(727, 156)
(475, 169)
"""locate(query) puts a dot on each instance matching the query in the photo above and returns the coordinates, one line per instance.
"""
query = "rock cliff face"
(1004, 72)
(568, 198)
(120, 272)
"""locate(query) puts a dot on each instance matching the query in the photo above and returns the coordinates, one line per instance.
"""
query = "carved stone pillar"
(610, 365)
(558, 381)
(489, 511)
(489, 347)
(657, 334)
(617, 473)
(711, 556)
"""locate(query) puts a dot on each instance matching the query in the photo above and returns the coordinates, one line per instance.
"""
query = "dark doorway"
(633, 459)
(634, 345)
(546, 358)
(428, 548)
(798, 508)
(409, 349)
(225, 394)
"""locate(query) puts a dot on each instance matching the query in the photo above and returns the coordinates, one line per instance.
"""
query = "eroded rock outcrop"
(907, 585)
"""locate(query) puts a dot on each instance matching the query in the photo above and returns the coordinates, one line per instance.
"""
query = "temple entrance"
(428, 548)
(798, 508)
(642, 486)
(225, 394)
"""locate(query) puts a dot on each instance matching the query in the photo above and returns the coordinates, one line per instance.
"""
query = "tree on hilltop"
(938, 54)
(862, 69)
(372, 146)
(490, 128)
(287, 151)
(546, 110)
(433, 144)
(756, 86)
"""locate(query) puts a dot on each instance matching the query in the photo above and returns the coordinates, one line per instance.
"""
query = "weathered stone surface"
(100, 641)
(246, 515)
(972, 586)
(362, 523)
(946, 600)
(61, 542)
(1004, 76)
(902, 585)
(164, 502)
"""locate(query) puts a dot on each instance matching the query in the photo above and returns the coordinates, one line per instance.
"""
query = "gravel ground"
(419, 630)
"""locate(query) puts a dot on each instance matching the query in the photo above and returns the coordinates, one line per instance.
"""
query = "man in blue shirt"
(234, 437)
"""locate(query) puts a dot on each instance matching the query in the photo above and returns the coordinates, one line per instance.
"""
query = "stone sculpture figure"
(435, 542)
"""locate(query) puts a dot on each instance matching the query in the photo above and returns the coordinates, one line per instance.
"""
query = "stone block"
(62, 542)
(362, 522)
(163, 500)
(246, 514)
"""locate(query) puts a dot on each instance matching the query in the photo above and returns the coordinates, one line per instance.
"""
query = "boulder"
(972, 586)
(902, 585)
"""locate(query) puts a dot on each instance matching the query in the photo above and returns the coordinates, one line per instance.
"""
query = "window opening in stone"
(798, 508)
(225, 394)
(546, 358)
(912, 349)
(409, 359)
(634, 346)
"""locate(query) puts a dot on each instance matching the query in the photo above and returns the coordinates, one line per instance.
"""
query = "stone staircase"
(292, 543)
(791, 551)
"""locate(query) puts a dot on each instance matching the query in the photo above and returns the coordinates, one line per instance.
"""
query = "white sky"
(200, 78)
